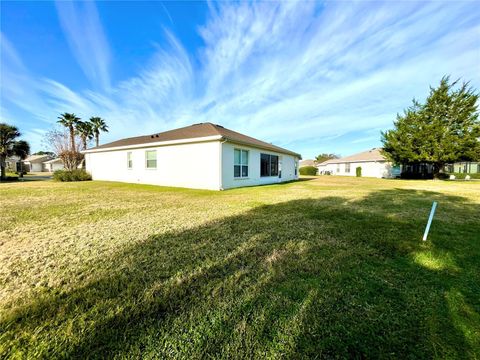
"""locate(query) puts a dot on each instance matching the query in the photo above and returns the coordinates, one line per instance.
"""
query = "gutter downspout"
(220, 182)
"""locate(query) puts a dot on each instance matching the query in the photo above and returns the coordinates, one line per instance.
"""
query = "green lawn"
(325, 267)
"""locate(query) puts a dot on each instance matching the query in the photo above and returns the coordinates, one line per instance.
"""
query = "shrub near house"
(308, 170)
(71, 175)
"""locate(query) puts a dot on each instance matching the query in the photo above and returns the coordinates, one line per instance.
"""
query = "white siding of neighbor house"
(286, 164)
(377, 169)
(35, 167)
(52, 167)
(192, 165)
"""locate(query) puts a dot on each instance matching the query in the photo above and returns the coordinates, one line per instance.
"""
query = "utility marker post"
(430, 218)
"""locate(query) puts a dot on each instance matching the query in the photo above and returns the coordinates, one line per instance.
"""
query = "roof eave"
(281, 151)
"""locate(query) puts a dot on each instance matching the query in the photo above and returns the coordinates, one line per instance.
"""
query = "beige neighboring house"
(12, 163)
(53, 165)
(372, 163)
(35, 163)
(308, 162)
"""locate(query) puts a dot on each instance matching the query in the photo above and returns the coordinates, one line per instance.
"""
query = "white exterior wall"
(192, 165)
(286, 164)
(52, 167)
(378, 169)
(35, 167)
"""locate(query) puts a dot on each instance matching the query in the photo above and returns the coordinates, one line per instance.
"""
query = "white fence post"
(430, 218)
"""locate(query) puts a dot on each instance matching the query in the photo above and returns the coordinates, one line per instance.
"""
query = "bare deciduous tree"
(60, 142)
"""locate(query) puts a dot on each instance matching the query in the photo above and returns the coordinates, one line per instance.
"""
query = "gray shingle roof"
(192, 132)
(38, 158)
(369, 155)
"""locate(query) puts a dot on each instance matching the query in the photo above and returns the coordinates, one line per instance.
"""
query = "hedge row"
(71, 175)
(461, 176)
(308, 170)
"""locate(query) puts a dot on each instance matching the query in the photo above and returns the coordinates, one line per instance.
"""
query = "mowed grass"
(320, 268)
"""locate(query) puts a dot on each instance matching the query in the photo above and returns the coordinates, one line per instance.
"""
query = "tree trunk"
(97, 137)
(72, 138)
(2, 165)
(437, 170)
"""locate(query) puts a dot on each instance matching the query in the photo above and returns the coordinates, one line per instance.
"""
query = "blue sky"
(310, 76)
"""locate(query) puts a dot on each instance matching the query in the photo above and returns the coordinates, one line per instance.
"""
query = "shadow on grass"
(306, 278)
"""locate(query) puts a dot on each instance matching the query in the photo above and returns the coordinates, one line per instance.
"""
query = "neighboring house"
(463, 167)
(53, 165)
(201, 156)
(308, 162)
(372, 162)
(13, 163)
(35, 163)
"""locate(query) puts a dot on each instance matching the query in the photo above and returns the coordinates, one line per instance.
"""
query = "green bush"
(10, 177)
(308, 170)
(442, 176)
(71, 175)
(358, 171)
(461, 176)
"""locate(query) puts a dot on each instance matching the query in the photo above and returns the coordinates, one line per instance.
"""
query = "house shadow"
(324, 278)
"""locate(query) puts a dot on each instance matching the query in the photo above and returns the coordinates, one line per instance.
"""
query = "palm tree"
(85, 130)
(98, 124)
(69, 121)
(9, 146)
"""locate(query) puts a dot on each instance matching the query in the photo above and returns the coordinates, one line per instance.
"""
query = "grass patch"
(326, 267)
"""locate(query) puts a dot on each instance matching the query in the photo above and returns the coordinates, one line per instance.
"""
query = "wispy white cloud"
(293, 73)
(18, 86)
(81, 24)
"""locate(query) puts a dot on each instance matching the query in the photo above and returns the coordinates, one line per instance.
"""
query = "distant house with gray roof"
(372, 163)
(35, 163)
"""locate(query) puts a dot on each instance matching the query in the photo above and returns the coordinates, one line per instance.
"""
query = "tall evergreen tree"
(445, 129)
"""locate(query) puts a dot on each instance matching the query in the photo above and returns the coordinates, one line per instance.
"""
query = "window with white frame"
(151, 159)
(338, 168)
(240, 163)
(347, 167)
(129, 160)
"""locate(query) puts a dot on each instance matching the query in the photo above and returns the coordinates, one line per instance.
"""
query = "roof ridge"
(215, 127)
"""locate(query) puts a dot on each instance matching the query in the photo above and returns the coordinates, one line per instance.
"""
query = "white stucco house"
(200, 156)
(372, 162)
(53, 165)
(35, 163)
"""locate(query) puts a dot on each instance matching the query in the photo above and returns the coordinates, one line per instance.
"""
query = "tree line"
(67, 145)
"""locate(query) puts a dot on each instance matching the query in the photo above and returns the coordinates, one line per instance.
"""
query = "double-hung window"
(347, 167)
(129, 160)
(268, 165)
(240, 163)
(151, 159)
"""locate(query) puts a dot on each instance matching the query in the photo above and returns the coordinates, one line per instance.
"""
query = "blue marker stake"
(430, 218)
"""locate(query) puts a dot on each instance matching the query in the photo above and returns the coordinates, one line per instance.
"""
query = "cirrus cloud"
(314, 77)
